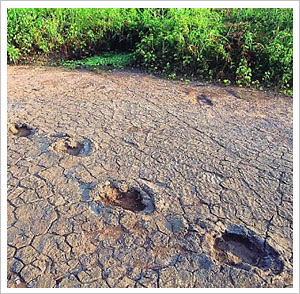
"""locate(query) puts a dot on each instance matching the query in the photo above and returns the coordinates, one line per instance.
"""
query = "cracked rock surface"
(126, 180)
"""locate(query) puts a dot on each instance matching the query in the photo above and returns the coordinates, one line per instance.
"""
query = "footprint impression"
(244, 251)
(128, 198)
(71, 145)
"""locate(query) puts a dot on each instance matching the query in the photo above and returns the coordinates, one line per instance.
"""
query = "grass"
(112, 59)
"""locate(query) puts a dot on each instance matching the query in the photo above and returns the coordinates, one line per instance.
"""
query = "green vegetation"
(249, 47)
(113, 59)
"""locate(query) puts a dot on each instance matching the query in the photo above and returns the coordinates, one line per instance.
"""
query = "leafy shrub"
(182, 41)
(260, 45)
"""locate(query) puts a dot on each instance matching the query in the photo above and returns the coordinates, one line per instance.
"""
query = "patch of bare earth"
(126, 180)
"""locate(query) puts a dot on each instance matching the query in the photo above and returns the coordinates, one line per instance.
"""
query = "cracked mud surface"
(209, 168)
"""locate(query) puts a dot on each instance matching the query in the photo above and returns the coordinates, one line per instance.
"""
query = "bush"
(250, 46)
(261, 45)
(184, 41)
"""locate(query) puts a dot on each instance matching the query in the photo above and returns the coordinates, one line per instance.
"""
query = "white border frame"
(147, 4)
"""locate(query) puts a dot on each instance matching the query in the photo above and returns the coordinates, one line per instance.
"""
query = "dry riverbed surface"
(127, 180)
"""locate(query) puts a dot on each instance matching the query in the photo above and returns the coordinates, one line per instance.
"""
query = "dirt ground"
(127, 180)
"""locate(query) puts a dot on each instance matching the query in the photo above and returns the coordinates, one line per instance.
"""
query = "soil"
(122, 180)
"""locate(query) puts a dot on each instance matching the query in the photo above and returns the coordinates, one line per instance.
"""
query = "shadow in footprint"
(60, 135)
(202, 98)
(19, 130)
(81, 149)
(233, 93)
(131, 199)
(242, 250)
(73, 150)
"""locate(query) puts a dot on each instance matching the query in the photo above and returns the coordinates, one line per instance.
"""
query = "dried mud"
(125, 180)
